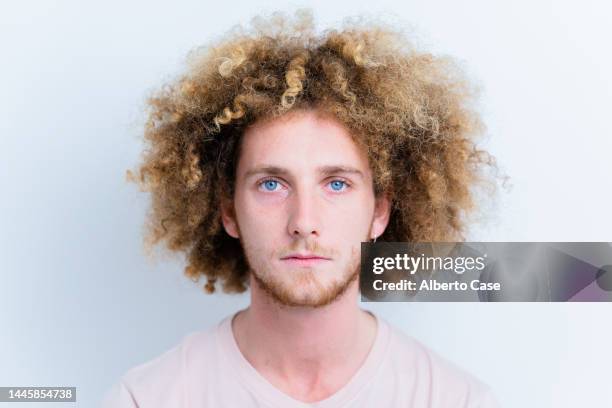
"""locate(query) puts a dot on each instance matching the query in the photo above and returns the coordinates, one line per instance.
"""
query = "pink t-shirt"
(207, 369)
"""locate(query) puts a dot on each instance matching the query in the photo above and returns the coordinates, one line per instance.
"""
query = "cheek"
(353, 221)
(259, 224)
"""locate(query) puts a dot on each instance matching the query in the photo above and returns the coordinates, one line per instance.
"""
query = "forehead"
(301, 139)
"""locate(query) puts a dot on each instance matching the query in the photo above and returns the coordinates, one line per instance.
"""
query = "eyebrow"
(323, 170)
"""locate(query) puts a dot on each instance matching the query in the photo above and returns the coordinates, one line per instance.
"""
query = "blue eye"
(337, 185)
(270, 185)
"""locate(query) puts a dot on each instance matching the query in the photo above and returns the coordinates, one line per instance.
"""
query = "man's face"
(303, 203)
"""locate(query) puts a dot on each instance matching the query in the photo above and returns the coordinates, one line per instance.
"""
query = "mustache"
(312, 247)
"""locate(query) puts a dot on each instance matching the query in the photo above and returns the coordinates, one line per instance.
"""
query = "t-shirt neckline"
(260, 386)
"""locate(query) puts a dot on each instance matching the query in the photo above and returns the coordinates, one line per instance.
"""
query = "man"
(270, 162)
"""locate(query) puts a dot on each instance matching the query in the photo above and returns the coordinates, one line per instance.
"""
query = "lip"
(304, 255)
(304, 260)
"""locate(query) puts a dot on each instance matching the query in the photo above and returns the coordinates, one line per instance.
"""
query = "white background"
(80, 304)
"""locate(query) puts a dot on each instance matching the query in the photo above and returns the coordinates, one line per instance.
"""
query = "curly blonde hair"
(411, 110)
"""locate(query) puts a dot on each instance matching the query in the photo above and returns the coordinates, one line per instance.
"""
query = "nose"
(303, 218)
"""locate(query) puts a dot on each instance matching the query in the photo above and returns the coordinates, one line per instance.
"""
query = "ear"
(228, 218)
(382, 211)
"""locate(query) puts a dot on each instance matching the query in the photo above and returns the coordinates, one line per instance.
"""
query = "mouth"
(304, 260)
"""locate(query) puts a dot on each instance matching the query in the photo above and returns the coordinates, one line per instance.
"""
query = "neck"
(317, 348)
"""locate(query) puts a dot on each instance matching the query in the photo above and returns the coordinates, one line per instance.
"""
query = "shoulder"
(448, 384)
(162, 381)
